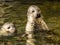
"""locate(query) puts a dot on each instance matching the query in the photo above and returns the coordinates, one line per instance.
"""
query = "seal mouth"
(8, 31)
(38, 16)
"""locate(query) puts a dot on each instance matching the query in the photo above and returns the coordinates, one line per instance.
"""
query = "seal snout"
(38, 16)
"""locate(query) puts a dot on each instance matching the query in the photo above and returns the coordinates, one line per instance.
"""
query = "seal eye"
(8, 27)
(33, 11)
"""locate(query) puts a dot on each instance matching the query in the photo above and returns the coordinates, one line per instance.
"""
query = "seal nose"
(38, 16)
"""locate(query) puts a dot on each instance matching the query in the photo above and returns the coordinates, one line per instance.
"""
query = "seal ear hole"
(40, 22)
(38, 10)
(33, 11)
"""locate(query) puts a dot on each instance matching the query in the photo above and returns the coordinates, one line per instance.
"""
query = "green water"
(18, 14)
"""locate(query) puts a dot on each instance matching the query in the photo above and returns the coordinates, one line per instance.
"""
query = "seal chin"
(38, 16)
